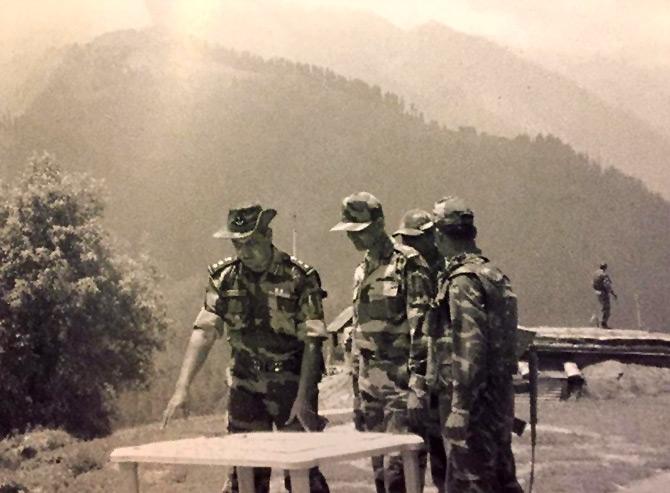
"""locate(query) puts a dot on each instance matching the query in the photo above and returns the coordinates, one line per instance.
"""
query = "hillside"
(458, 79)
(180, 130)
(584, 446)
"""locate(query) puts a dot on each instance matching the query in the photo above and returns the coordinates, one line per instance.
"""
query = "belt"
(369, 355)
(264, 365)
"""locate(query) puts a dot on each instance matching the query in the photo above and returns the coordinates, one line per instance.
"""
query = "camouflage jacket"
(391, 297)
(483, 320)
(267, 315)
(438, 328)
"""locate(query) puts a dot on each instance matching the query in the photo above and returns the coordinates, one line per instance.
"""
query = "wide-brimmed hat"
(359, 210)
(415, 222)
(244, 220)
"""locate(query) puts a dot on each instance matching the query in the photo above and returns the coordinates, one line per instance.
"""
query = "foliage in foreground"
(78, 320)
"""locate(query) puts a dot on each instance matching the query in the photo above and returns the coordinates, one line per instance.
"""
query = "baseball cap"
(452, 211)
(414, 222)
(359, 210)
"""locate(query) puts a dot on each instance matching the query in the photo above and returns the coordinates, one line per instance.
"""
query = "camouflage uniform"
(268, 317)
(416, 230)
(602, 285)
(391, 296)
(439, 381)
(483, 313)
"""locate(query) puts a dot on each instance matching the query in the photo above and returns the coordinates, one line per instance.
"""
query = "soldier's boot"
(378, 472)
(438, 462)
(261, 480)
(507, 471)
(394, 475)
(317, 482)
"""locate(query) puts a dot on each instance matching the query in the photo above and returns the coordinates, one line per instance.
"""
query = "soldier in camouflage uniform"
(417, 231)
(269, 306)
(482, 310)
(392, 290)
(602, 285)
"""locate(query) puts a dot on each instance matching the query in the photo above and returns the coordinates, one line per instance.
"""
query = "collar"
(385, 253)
(468, 257)
(274, 267)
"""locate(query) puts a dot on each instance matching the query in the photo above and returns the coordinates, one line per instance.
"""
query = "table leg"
(300, 480)
(131, 483)
(410, 464)
(245, 478)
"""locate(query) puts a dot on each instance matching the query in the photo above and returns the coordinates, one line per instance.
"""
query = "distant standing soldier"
(270, 306)
(417, 231)
(483, 318)
(602, 284)
(392, 290)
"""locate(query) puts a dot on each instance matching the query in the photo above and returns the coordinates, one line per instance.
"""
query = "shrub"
(79, 321)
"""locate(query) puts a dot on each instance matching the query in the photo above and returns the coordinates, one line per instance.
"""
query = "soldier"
(269, 306)
(482, 310)
(602, 285)
(392, 290)
(417, 231)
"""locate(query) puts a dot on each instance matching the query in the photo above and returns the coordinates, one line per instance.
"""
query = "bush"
(84, 460)
(78, 320)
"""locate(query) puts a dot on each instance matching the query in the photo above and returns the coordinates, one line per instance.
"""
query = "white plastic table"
(295, 452)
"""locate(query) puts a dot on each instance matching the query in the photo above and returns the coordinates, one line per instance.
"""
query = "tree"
(78, 320)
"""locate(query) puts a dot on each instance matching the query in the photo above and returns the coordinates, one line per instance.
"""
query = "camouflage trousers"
(257, 401)
(486, 463)
(605, 308)
(383, 392)
(438, 412)
(439, 407)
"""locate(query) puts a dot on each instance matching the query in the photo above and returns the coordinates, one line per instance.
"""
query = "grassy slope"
(584, 446)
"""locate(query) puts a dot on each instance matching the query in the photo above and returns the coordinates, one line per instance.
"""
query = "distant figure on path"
(602, 285)
(269, 306)
(391, 298)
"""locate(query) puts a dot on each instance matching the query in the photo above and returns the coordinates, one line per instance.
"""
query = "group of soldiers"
(433, 342)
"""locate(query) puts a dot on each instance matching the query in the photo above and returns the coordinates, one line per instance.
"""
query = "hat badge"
(238, 220)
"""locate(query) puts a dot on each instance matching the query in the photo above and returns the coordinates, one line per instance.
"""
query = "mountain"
(181, 129)
(456, 79)
(641, 90)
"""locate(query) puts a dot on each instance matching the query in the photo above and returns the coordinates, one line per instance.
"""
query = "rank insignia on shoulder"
(220, 265)
(407, 251)
(305, 267)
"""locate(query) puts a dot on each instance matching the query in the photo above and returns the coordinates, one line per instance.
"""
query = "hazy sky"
(635, 29)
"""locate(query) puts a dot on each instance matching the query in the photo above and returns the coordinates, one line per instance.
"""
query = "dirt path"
(654, 484)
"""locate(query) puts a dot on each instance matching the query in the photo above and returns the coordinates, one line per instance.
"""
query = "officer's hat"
(244, 220)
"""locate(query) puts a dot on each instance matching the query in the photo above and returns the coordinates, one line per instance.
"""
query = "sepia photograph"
(347, 246)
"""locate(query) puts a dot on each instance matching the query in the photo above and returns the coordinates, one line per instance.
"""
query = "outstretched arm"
(196, 353)
(312, 330)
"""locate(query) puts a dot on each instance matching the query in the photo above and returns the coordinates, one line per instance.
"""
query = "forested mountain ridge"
(456, 78)
(180, 130)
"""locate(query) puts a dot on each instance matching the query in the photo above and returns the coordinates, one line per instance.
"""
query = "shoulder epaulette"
(480, 267)
(407, 251)
(220, 265)
(467, 268)
(306, 268)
